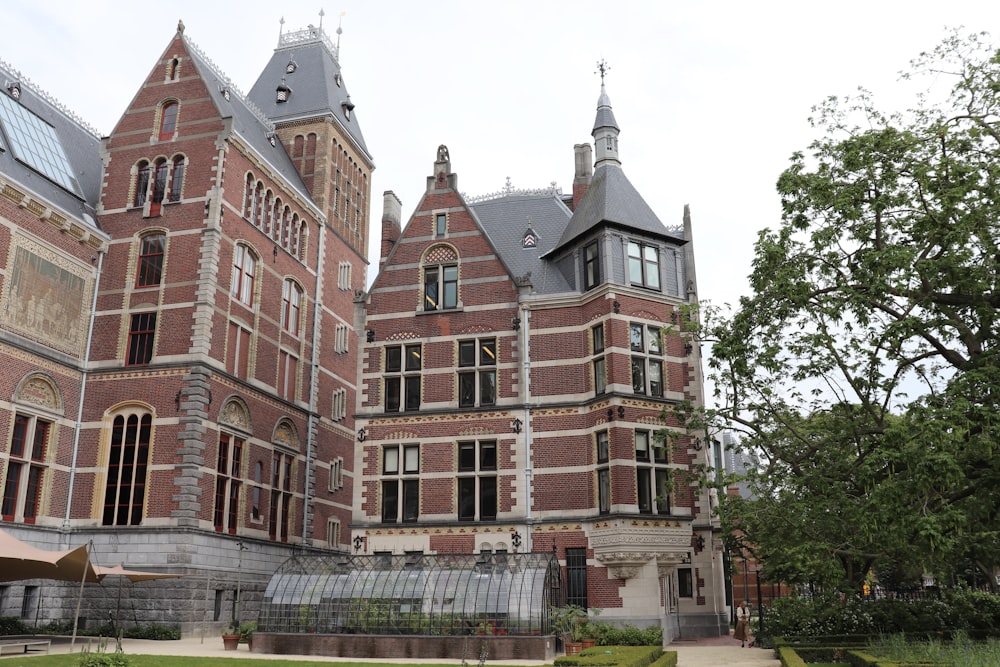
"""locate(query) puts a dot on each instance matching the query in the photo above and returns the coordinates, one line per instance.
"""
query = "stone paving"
(697, 653)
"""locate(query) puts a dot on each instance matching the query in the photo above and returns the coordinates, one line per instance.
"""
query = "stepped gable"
(306, 63)
(72, 184)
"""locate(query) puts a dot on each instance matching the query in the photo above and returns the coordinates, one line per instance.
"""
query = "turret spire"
(606, 129)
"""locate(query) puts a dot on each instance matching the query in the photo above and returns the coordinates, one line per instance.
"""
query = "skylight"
(35, 143)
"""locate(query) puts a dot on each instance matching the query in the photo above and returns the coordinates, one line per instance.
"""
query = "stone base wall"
(467, 647)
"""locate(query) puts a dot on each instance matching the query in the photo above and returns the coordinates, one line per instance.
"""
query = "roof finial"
(180, 26)
(603, 68)
(340, 31)
(321, 15)
(281, 28)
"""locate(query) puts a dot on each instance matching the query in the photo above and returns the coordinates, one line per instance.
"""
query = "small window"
(141, 184)
(591, 266)
(142, 332)
(168, 121)
(150, 268)
(440, 221)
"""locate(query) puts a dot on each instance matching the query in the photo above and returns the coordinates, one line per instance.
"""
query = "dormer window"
(291, 67)
(348, 107)
(282, 92)
(14, 88)
(530, 239)
(336, 79)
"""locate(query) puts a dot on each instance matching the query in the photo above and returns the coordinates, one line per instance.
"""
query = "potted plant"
(567, 621)
(246, 631)
(231, 637)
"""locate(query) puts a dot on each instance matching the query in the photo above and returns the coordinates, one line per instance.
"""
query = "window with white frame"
(344, 276)
(477, 375)
(646, 344)
(332, 533)
(400, 483)
(228, 483)
(341, 338)
(600, 364)
(339, 410)
(644, 265)
(336, 481)
(402, 377)
(477, 480)
(26, 468)
(653, 481)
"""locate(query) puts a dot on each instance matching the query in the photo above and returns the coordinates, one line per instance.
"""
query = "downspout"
(528, 465)
(83, 390)
(307, 497)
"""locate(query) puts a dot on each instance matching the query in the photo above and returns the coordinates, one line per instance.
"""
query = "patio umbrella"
(20, 560)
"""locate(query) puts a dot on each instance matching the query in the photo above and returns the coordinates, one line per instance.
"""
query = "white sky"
(712, 98)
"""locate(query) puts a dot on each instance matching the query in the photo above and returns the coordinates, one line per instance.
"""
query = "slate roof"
(80, 143)
(317, 83)
(612, 199)
(248, 120)
(505, 219)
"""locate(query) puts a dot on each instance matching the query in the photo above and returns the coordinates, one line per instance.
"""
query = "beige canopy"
(20, 560)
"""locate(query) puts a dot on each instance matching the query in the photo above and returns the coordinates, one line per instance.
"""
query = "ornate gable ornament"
(234, 413)
(286, 435)
(40, 390)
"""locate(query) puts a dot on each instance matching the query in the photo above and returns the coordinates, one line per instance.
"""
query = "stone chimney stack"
(584, 163)
(392, 212)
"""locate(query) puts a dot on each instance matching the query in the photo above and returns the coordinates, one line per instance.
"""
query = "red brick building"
(177, 338)
(519, 353)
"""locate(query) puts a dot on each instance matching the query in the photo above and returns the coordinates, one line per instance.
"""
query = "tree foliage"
(863, 368)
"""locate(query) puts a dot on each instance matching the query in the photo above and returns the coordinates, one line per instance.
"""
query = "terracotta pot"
(572, 648)
(589, 643)
(230, 642)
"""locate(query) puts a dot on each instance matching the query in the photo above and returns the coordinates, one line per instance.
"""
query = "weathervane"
(603, 68)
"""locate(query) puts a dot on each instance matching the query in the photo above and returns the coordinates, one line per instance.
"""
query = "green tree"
(863, 368)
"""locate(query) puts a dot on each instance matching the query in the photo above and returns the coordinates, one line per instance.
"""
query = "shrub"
(12, 625)
(101, 658)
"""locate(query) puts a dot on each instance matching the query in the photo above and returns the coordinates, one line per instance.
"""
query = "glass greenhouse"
(453, 594)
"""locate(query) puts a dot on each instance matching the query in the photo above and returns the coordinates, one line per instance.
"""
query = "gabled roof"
(316, 83)
(73, 184)
(248, 121)
(505, 220)
(611, 199)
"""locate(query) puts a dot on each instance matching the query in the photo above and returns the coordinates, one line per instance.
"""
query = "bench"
(25, 646)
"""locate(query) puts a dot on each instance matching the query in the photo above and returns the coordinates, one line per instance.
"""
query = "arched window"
(285, 217)
(301, 250)
(248, 198)
(150, 268)
(174, 69)
(168, 121)
(159, 186)
(141, 183)
(258, 205)
(244, 270)
(176, 179)
(128, 457)
(291, 304)
(265, 218)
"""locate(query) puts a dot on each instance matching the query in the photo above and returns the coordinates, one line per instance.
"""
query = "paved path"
(698, 653)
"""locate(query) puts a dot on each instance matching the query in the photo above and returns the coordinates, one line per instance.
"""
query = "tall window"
(600, 365)
(168, 121)
(344, 276)
(576, 576)
(291, 303)
(176, 179)
(402, 380)
(150, 268)
(125, 493)
(643, 265)
(141, 183)
(22, 491)
(288, 372)
(336, 481)
(228, 480)
(141, 333)
(238, 349)
(400, 483)
(160, 173)
(685, 582)
(477, 481)
(477, 379)
(647, 359)
(440, 287)
(652, 475)
(332, 533)
(339, 408)
(591, 266)
(244, 272)
(603, 474)
(255, 495)
(281, 497)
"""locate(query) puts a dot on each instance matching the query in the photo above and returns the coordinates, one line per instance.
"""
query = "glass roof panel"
(36, 143)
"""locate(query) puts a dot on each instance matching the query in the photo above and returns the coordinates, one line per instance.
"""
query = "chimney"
(392, 211)
(584, 163)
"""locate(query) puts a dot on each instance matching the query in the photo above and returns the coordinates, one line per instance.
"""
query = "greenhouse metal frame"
(413, 594)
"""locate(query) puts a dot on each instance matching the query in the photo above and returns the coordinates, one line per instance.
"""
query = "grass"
(961, 651)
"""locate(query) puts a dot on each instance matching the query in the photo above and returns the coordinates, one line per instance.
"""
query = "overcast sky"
(712, 97)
